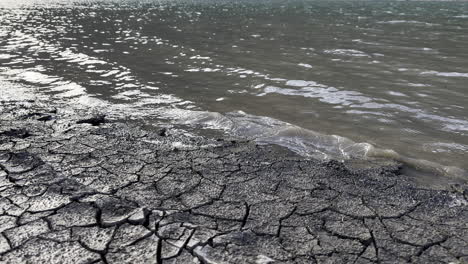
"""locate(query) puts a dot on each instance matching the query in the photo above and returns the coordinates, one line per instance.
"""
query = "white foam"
(446, 74)
(37, 77)
(397, 94)
(305, 65)
(69, 90)
(302, 83)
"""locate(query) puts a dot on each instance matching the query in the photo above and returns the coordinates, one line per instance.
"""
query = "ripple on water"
(325, 94)
(446, 147)
(414, 22)
(347, 52)
(445, 74)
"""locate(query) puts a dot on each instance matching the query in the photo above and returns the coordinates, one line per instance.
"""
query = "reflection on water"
(316, 76)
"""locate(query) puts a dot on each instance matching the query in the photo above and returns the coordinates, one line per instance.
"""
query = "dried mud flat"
(75, 189)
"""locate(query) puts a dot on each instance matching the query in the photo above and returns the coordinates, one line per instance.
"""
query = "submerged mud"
(78, 188)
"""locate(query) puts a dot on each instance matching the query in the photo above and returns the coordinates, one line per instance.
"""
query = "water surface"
(326, 79)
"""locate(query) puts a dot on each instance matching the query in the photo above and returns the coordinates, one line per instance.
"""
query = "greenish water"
(328, 79)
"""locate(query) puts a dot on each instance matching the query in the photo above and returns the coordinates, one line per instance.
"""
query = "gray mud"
(81, 189)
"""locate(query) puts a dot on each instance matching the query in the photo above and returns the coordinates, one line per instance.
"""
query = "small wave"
(305, 65)
(407, 22)
(446, 74)
(269, 130)
(325, 94)
(417, 84)
(37, 77)
(131, 94)
(446, 147)
(6, 56)
(54, 84)
(305, 142)
(347, 52)
(397, 94)
(69, 89)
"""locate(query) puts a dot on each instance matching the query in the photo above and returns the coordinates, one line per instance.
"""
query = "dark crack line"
(246, 215)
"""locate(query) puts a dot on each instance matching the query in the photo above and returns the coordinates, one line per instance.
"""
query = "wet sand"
(79, 188)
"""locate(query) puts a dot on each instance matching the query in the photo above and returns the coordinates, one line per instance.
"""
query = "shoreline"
(77, 189)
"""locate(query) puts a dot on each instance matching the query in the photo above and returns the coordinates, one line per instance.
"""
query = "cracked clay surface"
(72, 192)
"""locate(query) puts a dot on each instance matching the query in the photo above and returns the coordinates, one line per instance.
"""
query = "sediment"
(78, 188)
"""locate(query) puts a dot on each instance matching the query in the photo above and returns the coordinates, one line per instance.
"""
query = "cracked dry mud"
(114, 193)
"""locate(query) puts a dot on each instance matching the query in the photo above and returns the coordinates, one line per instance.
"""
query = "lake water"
(327, 79)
